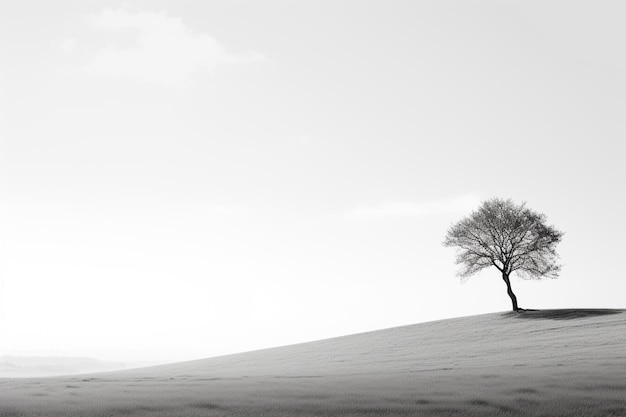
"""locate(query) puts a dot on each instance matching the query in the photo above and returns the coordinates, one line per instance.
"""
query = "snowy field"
(535, 363)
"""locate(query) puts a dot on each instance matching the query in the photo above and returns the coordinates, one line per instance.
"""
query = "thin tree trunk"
(509, 291)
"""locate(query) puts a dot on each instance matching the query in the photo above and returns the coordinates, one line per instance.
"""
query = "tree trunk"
(505, 277)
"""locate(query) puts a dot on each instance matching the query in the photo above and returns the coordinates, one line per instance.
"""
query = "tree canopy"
(508, 236)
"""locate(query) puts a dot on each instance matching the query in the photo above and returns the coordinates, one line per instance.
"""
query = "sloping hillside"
(29, 366)
(535, 363)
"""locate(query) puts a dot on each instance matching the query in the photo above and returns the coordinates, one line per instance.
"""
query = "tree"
(508, 236)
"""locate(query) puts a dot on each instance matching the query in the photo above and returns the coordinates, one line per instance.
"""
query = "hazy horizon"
(181, 180)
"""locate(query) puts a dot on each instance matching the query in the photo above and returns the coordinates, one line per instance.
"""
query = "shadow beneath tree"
(563, 314)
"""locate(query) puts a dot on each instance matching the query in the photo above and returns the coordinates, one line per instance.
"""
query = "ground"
(531, 363)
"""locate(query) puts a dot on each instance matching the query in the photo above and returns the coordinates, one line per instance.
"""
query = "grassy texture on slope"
(534, 363)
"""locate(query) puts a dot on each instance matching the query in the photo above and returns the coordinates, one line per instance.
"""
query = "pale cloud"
(66, 45)
(227, 209)
(387, 209)
(302, 140)
(162, 50)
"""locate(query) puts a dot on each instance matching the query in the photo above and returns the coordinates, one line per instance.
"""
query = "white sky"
(184, 179)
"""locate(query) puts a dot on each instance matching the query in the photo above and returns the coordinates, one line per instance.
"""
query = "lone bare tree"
(508, 236)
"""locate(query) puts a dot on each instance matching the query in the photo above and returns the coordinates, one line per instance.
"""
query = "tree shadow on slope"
(563, 314)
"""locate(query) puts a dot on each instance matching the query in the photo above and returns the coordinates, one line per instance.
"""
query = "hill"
(29, 366)
(534, 363)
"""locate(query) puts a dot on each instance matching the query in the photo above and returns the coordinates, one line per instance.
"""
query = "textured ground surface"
(535, 363)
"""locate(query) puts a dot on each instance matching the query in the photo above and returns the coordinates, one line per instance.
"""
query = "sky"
(182, 179)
